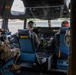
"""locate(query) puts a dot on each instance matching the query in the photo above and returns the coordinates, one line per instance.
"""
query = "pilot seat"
(27, 48)
(62, 50)
(30, 57)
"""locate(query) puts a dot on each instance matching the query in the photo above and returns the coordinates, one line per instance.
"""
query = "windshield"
(44, 23)
(14, 25)
(0, 23)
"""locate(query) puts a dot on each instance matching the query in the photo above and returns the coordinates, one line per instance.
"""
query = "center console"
(44, 58)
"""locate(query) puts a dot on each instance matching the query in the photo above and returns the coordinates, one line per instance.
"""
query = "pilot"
(31, 27)
(6, 52)
(67, 34)
(65, 24)
(67, 37)
(52, 43)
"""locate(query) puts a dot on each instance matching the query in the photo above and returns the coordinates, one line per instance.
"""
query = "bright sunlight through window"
(18, 8)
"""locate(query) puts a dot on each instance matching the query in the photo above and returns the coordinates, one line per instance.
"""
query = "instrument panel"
(46, 32)
(46, 13)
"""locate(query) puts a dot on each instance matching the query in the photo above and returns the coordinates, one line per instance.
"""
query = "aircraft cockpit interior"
(50, 47)
(51, 55)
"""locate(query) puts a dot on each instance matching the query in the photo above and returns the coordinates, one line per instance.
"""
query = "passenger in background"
(6, 52)
(30, 27)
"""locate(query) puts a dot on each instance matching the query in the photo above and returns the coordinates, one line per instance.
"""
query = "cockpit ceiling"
(45, 13)
(41, 9)
(41, 3)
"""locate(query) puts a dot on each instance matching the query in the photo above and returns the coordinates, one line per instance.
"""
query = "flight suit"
(67, 37)
(6, 52)
(36, 40)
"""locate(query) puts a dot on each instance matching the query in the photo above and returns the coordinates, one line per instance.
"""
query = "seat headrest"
(63, 29)
(24, 33)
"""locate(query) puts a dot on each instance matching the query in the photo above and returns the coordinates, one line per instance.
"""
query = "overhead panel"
(45, 9)
(46, 13)
(41, 9)
(41, 3)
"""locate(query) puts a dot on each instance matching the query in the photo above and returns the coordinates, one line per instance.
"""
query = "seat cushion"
(29, 57)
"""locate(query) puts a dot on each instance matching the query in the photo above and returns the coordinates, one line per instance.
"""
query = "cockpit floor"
(24, 71)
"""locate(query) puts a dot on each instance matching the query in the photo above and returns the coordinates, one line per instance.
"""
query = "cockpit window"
(53, 23)
(15, 24)
(44, 23)
(18, 8)
(0, 23)
(41, 23)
